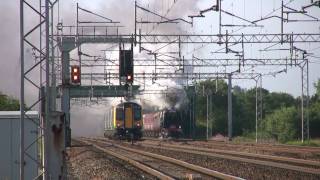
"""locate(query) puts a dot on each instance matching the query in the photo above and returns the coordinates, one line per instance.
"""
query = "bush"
(282, 124)
(8, 103)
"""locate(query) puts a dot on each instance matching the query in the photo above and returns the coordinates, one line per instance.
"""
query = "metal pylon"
(37, 76)
(304, 100)
(258, 82)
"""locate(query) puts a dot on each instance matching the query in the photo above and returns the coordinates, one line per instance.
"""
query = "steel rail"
(262, 146)
(261, 156)
(283, 147)
(241, 159)
(286, 146)
(193, 167)
(134, 163)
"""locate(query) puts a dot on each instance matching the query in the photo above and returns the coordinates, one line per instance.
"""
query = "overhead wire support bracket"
(166, 20)
(294, 11)
(243, 19)
(269, 17)
(98, 15)
(316, 3)
(219, 9)
(202, 12)
(286, 19)
(157, 22)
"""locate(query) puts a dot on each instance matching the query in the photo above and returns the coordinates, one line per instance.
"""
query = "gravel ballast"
(87, 163)
(236, 168)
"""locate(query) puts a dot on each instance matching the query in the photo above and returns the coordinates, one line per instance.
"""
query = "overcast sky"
(251, 10)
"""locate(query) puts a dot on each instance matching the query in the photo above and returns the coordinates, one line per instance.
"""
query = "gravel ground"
(86, 163)
(236, 168)
(233, 155)
(167, 168)
(277, 151)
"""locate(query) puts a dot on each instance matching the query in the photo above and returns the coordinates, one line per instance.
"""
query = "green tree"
(275, 100)
(218, 104)
(317, 86)
(314, 119)
(314, 111)
(282, 124)
(244, 105)
(316, 96)
(8, 103)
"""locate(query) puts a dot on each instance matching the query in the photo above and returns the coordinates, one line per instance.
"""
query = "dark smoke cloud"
(175, 98)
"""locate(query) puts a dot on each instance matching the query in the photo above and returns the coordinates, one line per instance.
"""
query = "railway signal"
(75, 74)
(126, 65)
(130, 78)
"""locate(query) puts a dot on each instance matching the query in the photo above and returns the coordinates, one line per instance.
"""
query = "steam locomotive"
(165, 123)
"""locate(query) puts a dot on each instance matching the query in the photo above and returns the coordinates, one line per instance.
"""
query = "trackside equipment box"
(10, 145)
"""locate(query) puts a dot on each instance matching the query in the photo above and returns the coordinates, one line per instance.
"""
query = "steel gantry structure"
(226, 39)
(52, 52)
(41, 46)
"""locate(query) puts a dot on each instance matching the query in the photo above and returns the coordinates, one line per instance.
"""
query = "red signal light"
(129, 78)
(75, 74)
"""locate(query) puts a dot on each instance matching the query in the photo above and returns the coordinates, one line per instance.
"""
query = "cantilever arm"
(167, 20)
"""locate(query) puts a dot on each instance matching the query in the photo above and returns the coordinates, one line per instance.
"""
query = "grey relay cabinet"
(10, 144)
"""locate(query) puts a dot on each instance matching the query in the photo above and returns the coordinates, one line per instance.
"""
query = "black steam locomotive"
(171, 124)
(165, 123)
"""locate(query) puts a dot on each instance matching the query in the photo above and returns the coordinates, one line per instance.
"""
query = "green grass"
(244, 139)
(312, 142)
(250, 137)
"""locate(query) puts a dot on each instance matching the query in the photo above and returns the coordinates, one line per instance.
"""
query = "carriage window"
(137, 112)
(119, 113)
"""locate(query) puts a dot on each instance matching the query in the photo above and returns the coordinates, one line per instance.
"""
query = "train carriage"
(127, 120)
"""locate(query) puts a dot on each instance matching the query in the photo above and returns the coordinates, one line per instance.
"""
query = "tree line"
(281, 112)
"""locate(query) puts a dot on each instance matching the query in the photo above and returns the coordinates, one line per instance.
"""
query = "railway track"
(278, 148)
(157, 165)
(283, 147)
(299, 165)
(273, 165)
(86, 162)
